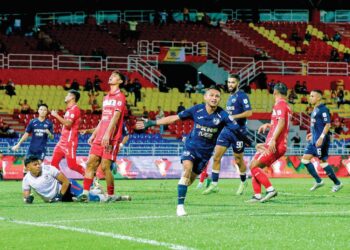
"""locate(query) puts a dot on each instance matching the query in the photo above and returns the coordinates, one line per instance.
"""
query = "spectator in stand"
(93, 96)
(200, 17)
(3, 49)
(123, 33)
(337, 37)
(186, 15)
(88, 86)
(295, 37)
(344, 127)
(137, 91)
(160, 115)
(163, 17)
(270, 86)
(6, 131)
(334, 57)
(296, 140)
(325, 38)
(75, 85)
(307, 36)
(133, 33)
(10, 88)
(145, 113)
(96, 109)
(292, 96)
(303, 88)
(338, 127)
(180, 108)
(334, 96)
(97, 83)
(188, 89)
(304, 100)
(346, 56)
(200, 88)
(67, 85)
(340, 97)
(25, 108)
(297, 87)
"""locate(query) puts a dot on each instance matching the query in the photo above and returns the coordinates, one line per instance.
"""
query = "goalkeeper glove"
(57, 198)
(29, 199)
(149, 123)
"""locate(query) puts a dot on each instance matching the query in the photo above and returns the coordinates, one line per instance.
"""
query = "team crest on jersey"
(245, 101)
(45, 126)
(216, 121)
(186, 153)
(234, 100)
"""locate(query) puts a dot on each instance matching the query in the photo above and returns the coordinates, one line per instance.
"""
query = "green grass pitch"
(295, 219)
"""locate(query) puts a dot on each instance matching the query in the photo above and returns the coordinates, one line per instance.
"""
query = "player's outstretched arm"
(23, 138)
(163, 121)
(264, 127)
(28, 198)
(64, 188)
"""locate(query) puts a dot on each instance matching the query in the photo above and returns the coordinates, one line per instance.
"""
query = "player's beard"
(233, 90)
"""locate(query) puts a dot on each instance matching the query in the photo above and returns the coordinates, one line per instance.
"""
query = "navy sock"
(243, 177)
(181, 194)
(313, 172)
(331, 175)
(215, 177)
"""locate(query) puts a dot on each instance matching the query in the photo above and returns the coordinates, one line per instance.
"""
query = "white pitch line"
(98, 233)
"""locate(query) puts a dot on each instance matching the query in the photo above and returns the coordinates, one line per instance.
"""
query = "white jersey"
(46, 185)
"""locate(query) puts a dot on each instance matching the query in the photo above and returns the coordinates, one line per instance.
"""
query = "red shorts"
(269, 158)
(67, 151)
(109, 153)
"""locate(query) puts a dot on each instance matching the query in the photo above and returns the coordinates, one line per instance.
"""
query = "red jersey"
(280, 110)
(112, 102)
(70, 134)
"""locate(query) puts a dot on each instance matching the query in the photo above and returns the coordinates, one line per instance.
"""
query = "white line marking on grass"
(120, 218)
(98, 233)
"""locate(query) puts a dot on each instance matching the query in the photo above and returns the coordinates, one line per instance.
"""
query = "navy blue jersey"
(319, 118)
(238, 103)
(206, 127)
(39, 136)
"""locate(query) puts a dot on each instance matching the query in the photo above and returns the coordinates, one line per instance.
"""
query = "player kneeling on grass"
(51, 184)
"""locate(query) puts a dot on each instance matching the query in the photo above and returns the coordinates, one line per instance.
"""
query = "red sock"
(110, 189)
(87, 183)
(203, 176)
(256, 186)
(261, 177)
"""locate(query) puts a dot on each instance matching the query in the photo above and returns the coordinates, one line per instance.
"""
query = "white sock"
(86, 192)
(215, 183)
(258, 196)
(269, 189)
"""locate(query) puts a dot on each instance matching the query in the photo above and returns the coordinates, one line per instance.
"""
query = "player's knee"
(185, 181)
(324, 164)
(305, 161)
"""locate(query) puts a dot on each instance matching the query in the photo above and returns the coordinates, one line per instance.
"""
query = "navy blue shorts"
(40, 154)
(320, 152)
(228, 138)
(199, 159)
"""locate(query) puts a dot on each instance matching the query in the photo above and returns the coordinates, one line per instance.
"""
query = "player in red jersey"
(68, 143)
(274, 147)
(105, 139)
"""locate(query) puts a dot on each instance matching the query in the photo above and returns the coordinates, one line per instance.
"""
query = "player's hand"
(15, 148)
(260, 148)
(82, 132)
(29, 199)
(309, 137)
(319, 142)
(105, 141)
(263, 128)
(54, 113)
(47, 132)
(145, 124)
(57, 198)
(272, 146)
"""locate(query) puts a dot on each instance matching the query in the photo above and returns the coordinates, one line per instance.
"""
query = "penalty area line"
(99, 233)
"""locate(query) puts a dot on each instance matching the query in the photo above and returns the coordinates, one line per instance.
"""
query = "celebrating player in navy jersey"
(238, 106)
(209, 119)
(319, 142)
(41, 129)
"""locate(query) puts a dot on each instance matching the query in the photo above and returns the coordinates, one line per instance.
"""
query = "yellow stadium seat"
(284, 36)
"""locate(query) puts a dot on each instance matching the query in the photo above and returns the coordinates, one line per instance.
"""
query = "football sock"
(181, 194)
(256, 186)
(110, 189)
(310, 167)
(243, 177)
(261, 177)
(331, 175)
(87, 184)
(215, 176)
(202, 177)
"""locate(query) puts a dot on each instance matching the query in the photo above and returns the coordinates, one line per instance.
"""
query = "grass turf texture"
(296, 218)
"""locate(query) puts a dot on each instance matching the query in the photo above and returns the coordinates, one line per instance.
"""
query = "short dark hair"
(30, 159)
(281, 88)
(318, 91)
(44, 105)
(215, 87)
(122, 77)
(75, 93)
(235, 76)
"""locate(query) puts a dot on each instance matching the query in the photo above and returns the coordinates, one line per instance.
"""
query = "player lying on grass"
(52, 185)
